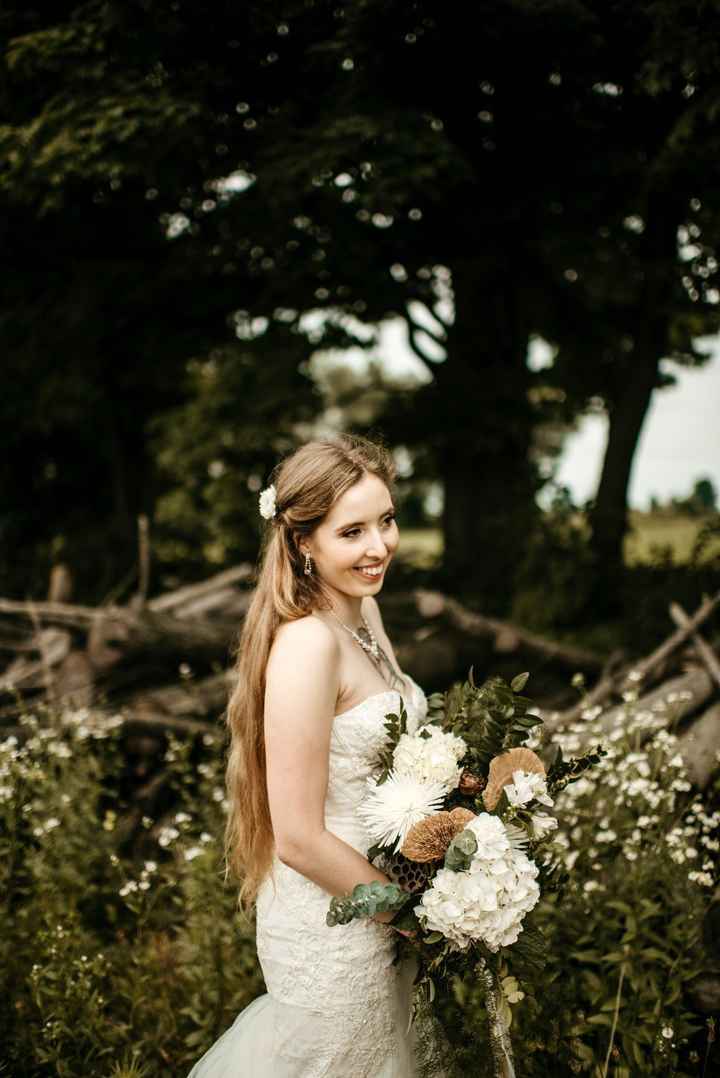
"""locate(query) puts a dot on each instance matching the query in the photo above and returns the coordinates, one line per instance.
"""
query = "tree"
(360, 183)
(646, 286)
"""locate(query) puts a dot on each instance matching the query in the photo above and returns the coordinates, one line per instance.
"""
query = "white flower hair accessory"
(267, 502)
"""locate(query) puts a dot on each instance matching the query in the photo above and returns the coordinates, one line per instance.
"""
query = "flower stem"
(615, 1018)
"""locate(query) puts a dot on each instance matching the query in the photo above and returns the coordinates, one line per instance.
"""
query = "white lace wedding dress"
(335, 1006)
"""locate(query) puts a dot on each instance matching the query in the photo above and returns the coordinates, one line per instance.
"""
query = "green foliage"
(366, 900)
(460, 852)
(604, 964)
(100, 950)
(554, 577)
(189, 170)
(396, 726)
(562, 772)
(491, 718)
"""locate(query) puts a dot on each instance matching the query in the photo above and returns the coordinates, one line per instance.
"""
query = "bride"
(316, 676)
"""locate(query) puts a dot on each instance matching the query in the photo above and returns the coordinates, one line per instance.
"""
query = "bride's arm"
(302, 681)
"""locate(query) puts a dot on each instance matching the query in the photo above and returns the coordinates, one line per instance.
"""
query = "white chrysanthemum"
(488, 901)
(527, 786)
(430, 759)
(390, 809)
(518, 836)
(267, 502)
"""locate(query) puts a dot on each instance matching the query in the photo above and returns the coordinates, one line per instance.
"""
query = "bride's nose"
(376, 548)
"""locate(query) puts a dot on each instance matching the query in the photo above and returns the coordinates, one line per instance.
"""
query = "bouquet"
(460, 811)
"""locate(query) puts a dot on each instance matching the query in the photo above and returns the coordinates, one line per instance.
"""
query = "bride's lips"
(361, 571)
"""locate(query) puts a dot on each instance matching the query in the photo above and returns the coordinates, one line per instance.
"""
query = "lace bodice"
(344, 975)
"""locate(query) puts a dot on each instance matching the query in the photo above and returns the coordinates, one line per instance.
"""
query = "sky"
(679, 441)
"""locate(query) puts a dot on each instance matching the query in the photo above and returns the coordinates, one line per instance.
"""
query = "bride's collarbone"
(355, 690)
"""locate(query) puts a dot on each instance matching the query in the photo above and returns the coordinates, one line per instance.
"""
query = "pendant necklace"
(370, 645)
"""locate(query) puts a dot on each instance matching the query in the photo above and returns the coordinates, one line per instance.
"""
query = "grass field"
(651, 534)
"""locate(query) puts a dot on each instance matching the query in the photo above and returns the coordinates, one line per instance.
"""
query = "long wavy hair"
(307, 485)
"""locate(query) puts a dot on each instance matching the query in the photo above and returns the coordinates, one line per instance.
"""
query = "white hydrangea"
(527, 786)
(488, 901)
(430, 759)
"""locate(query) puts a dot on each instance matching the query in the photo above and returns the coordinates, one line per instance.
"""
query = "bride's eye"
(351, 534)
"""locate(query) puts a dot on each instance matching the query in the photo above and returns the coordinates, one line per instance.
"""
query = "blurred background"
(489, 239)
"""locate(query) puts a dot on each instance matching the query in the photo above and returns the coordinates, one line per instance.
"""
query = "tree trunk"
(608, 517)
(481, 401)
(628, 404)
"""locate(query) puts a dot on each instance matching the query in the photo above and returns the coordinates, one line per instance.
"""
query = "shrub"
(127, 966)
(111, 964)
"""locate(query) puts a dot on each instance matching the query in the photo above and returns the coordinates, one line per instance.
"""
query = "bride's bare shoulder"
(304, 639)
(302, 672)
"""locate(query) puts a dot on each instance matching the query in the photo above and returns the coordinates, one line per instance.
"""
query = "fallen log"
(688, 692)
(506, 636)
(618, 677)
(703, 649)
(659, 656)
(53, 645)
(699, 745)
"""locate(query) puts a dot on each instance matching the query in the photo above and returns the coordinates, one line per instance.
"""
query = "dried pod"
(428, 839)
(501, 772)
(409, 875)
(471, 784)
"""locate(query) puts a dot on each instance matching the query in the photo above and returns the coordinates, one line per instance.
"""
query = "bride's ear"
(301, 546)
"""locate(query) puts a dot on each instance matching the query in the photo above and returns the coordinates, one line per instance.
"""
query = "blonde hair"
(307, 484)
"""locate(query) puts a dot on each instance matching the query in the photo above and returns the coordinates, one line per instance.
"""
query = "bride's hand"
(385, 917)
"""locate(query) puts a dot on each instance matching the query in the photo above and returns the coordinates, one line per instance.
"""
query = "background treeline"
(196, 201)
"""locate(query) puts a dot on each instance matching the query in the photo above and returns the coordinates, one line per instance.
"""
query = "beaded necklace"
(372, 648)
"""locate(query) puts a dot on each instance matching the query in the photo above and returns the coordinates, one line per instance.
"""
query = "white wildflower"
(703, 878)
(527, 786)
(605, 836)
(542, 824)
(167, 835)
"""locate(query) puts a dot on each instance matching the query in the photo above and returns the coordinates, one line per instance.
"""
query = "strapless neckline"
(410, 683)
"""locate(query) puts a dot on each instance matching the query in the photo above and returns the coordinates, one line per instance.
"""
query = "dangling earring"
(308, 564)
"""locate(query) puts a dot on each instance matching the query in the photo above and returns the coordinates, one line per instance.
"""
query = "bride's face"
(360, 530)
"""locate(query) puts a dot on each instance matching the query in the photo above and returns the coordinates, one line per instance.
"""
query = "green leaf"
(519, 682)
(600, 1020)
